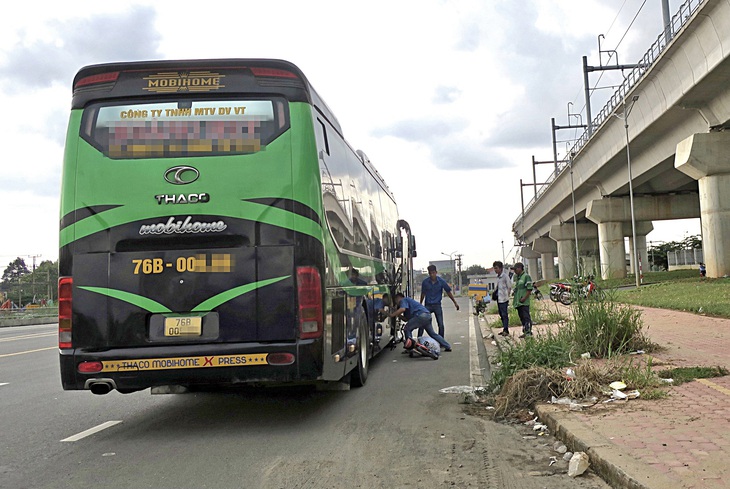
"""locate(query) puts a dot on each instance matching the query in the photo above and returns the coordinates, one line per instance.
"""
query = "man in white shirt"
(504, 289)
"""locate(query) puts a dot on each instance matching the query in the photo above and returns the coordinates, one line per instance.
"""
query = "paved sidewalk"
(679, 442)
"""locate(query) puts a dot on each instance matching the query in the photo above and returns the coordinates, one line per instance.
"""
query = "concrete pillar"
(566, 258)
(530, 259)
(646, 208)
(547, 249)
(564, 235)
(548, 265)
(612, 249)
(590, 265)
(706, 157)
(642, 229)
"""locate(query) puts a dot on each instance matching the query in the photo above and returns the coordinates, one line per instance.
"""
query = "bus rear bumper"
(132, 369)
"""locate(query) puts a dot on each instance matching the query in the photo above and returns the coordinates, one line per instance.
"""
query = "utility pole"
(33, 275)
(458, 264)
(34, 257)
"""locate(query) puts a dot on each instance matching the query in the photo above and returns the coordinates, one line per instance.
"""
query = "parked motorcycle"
(557, 289)
(567, 292)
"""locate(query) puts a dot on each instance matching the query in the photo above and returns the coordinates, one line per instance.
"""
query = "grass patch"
(649, 278)
(698, 295)
(550, 350)
(682, 375)
(606, 328)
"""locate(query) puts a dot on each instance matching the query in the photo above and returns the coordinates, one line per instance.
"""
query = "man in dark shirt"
(416, 316)
(432, 289)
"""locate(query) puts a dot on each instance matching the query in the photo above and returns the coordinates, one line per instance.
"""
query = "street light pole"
(637, 265)
(451, 262)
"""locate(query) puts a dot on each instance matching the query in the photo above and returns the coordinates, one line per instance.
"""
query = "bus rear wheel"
(360, 374)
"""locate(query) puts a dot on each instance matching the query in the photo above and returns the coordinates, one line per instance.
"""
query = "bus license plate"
(183, 326)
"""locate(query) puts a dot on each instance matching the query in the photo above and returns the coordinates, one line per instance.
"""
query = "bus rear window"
(184, 128)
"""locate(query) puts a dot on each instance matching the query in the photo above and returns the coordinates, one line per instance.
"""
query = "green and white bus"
(216, 229)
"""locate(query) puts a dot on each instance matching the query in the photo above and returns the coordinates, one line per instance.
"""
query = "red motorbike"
(566, 293)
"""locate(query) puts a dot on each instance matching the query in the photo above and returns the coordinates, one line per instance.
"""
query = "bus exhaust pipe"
(100, 388)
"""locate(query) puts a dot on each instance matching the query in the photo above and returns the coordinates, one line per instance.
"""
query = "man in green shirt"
(521, 301)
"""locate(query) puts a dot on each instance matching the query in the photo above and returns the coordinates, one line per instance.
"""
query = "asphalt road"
(397, 431)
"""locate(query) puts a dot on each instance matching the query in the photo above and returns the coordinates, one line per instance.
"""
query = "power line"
(617, 45)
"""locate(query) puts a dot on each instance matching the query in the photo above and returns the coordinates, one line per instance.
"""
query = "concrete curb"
(607, 459)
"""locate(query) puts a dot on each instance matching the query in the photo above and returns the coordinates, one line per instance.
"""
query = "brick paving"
(686, 437)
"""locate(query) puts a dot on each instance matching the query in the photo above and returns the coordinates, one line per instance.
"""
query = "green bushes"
(601, 328)
(604, 328)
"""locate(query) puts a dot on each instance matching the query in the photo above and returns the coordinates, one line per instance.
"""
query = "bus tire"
(360, 373)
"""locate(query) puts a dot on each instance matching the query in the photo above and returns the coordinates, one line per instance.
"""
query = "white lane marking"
(475, 373)
(27, 351)
(27, 336)
(4, 383)
(91, 431)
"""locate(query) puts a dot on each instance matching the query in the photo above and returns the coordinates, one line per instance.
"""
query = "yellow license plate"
(183, 326)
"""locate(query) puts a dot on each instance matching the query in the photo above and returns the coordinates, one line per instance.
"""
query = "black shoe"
(503, 333)
(447, 349)
(523, 335)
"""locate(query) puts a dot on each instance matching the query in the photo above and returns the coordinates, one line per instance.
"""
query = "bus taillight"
(65, 284)
(309, 293)
(97, 79)
(272, 72)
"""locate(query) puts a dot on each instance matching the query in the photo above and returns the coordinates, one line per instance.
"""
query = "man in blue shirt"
(432, 289)
(416, 316)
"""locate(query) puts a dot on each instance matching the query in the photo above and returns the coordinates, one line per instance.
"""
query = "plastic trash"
(585, 355)
(632, 394)
(457, 389)
(539, 427)
(553, 460)
(574, 406)
(578, 464)
(618, 394)
(570, 374)
(618, 385)
(562, 400)
(667, 381)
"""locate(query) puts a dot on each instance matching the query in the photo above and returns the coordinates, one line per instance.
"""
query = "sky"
(450, 99)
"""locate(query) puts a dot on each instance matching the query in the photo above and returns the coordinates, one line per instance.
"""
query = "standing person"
(432, 289)
(416, 316)
(523, 290)
(504, 288)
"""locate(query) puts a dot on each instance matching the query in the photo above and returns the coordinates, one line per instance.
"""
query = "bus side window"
(322, 141)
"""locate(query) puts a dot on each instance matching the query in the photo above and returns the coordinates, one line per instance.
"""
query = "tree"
(44, 280)
(14, 271)
(658, 253)
(472, 270)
